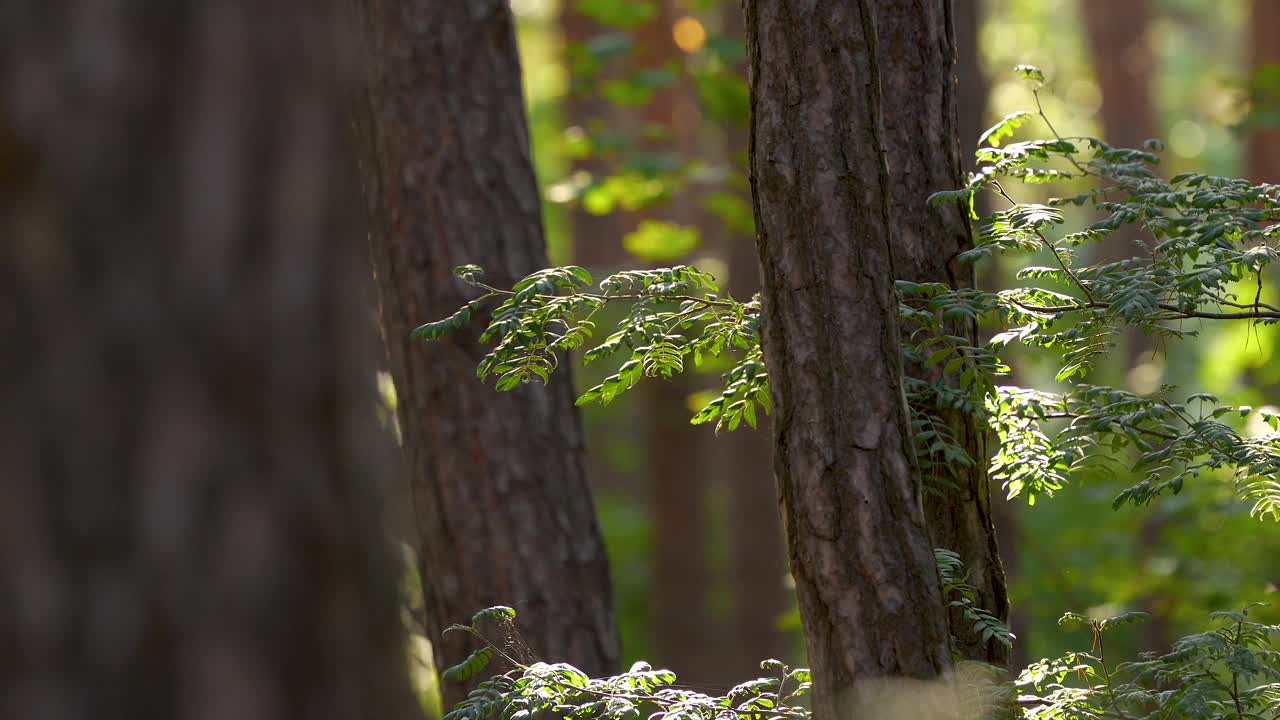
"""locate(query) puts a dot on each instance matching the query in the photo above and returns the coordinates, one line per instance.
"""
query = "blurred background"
(638, 112)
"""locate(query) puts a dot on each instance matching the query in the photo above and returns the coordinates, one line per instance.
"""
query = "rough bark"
(1262, 151)
(188, 456)
(865, 575)
(917, 52)
(502, 501)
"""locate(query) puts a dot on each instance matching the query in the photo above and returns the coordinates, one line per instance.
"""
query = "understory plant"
(1204, 248)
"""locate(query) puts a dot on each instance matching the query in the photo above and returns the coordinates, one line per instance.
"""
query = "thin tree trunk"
(1117, 34)
(1262, 151)
(597, 239)
(502, 501)
(189, 462)
(860, 552)
(1123, 62)
(917, 52)
(758, 552)
(678, 457)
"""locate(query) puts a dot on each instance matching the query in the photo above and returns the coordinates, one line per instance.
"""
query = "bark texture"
(501, 498)
(188, 457)
(865, 575)
(917, 53)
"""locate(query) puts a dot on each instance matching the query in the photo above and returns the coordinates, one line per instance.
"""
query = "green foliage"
(674, 314)
(618, 13)
(955, 585)
(1208, 240)
(1229, 672)
(561, 690)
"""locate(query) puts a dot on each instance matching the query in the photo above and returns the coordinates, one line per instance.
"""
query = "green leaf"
(1030, 73)
(467, 669)
(497, 612)
(1003, 129)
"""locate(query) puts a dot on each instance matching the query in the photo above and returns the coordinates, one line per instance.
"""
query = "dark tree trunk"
(758, 553)
(917, 52)
(502, 501)
(859, 549)
(188, 456)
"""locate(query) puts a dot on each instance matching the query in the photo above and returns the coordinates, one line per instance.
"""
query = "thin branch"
(1051, 248)
(1177, 313)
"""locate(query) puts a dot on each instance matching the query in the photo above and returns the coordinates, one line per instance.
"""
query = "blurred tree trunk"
(1262, 151)
(1125, 68)
(971, 103)
(679, 458)
(597, 239)
(917, 55)
(502, 501)
(758, 552)
(1122, 60)
(859, 548)
(189, 520)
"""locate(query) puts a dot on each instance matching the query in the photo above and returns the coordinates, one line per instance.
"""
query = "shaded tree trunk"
(917, 52)
(503, 506)
(189, 462)
(1122, 60)
(677, 459)
(684, 633)
(1262, 150)
(758, 552)
(864, 570)
(1125, 67)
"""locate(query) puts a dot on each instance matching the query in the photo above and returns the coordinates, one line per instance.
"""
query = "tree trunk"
(1123, 62)
(502, 501)
(917, 52)
(1117, 33)
(188, 456)
(860, 553)
(758, 554)
(674, 474)
(1262, 152)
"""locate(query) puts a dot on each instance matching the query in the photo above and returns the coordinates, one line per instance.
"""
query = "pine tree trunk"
(864, 569)
(189, 463)
(917, 52)
(502, 501)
